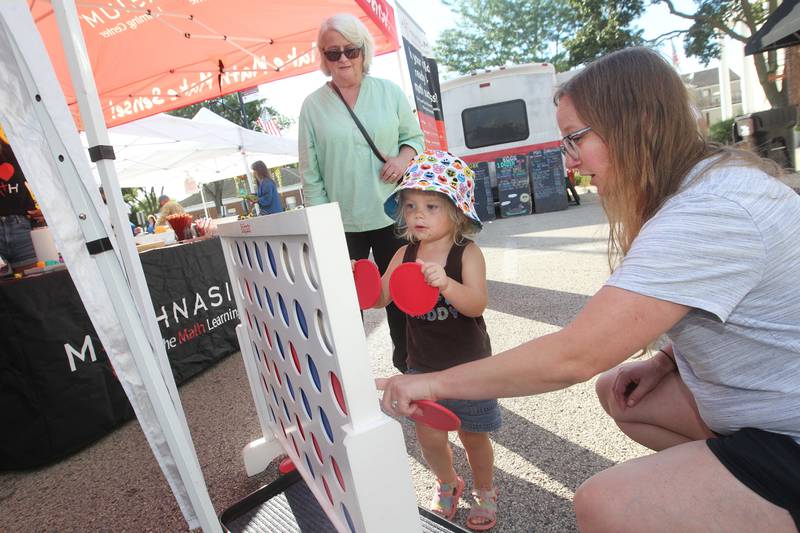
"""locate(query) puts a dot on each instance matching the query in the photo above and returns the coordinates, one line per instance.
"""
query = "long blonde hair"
(636, 102)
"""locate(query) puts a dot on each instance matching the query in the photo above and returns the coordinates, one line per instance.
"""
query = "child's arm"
(386, 297)
(470, 296)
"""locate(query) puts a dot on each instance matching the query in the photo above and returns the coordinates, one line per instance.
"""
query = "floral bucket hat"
(442, 172)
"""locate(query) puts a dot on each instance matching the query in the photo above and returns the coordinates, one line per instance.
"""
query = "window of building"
(492, 124)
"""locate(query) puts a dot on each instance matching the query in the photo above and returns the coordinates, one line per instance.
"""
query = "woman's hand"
(400, 391)
(394, 168)
(435, 275)
(635, 380)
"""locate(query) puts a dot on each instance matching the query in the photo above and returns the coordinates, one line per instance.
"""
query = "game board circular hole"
(247, 254)
(338, 394)
(274, 396)
(327, 489)
(267, 335)
(295, 359)
(272, 415)
(259, 261)
(239, 253)
(294, 443)
(348, 519)
(322, 333)
(286, 410)
(255, 347)
(283, 428)
(284, 312)
(310, 466)
(266, 361)
(289, 386)
(339, 476)
(287, 263)
(326, 425)
(264, 382)
(300, 426)
(249, 320)
(280, 345)
(249, 292)
(270, 308)
(312, 370)
(277, 374)
(316, 448)
(306, 405)
(308, 269)
(301, 319)
(271, 256)
(258, 296)
(258, 328)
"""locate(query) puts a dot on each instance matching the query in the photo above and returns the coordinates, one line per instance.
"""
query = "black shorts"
(767, 463)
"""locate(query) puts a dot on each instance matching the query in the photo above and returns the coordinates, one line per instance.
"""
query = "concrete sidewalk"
(541, 271)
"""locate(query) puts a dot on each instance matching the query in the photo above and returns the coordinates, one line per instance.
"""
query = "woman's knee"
(603, 387)
(594, 506)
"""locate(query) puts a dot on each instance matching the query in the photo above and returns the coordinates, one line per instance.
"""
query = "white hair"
(351, 29)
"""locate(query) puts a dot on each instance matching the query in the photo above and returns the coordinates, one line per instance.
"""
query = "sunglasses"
(569, 143)
(349, 53)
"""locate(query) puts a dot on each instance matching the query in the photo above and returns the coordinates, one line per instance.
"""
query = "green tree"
(715, 19)
(722, 131)
(493, 33)
(603, 26)
(141, 199)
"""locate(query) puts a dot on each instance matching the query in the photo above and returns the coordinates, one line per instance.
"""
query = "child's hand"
(435, 275)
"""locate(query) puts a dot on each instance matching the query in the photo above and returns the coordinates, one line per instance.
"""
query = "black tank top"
(444, 337)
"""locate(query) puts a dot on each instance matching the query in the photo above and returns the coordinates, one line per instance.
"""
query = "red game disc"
(436, 416)
(368, 283)
(409, 290)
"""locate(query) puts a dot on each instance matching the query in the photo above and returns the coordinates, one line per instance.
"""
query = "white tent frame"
(131, 336)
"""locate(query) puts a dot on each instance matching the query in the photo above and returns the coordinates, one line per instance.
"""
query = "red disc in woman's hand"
(435, 415)
(368, 283)
(409, 290)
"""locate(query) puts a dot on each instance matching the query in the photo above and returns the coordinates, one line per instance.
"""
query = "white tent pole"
(203, 199)
(175, 431)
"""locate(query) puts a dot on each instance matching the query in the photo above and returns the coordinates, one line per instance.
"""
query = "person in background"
(17, 211)
(337, 163)
(269, 201)
(704, 243)
(151, 224)
(168, 207)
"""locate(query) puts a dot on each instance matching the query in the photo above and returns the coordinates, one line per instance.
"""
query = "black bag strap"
(360, 126)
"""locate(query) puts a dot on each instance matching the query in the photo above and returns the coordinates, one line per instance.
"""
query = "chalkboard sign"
(547, 178)
(484, 203)
(513, 185)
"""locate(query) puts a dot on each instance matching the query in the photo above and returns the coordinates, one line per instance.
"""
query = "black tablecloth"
(58, 391)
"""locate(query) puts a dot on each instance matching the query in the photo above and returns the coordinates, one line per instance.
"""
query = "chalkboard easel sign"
(547, 179)
(513, 185)
(484, 202)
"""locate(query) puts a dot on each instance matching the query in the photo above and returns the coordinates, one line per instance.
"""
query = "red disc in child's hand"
(410, 292)
(286, 466)
(435, 415)
(368, 283)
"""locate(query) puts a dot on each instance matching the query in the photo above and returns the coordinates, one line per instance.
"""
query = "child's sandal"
(483, 513)
(445, 499)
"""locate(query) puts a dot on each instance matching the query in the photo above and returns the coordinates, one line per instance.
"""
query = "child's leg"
(481, 458)
(437, 452)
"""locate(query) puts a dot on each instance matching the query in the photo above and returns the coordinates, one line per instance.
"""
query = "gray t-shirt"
(728, 246)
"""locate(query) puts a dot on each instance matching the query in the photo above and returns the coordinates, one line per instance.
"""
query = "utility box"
(770, 134)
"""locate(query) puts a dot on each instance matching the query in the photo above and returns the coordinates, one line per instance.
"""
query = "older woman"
(336, 161)
(707, 242)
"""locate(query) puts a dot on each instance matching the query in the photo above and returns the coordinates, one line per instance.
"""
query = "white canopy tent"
(162, 148)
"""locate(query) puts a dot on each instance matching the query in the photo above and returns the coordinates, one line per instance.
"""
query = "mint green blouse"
(337, 164)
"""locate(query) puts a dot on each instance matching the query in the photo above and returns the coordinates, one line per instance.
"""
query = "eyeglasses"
(569, 143)
(349, 53)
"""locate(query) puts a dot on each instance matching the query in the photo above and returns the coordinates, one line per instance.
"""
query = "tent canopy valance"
(781, 29)
(150, 57)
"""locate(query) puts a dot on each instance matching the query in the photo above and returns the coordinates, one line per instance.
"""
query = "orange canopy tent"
(156, 55)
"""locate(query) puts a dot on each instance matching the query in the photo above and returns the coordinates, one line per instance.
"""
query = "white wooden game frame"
(304, 348)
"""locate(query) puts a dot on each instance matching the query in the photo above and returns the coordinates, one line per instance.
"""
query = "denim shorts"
(477, 416)
(16, 246)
